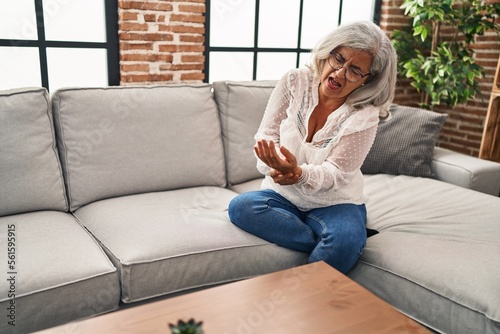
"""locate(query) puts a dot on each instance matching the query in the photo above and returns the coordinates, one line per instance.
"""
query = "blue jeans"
(334, 234)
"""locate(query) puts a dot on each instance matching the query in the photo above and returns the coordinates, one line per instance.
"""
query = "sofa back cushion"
(241, 107)
(118, 141)
(30, 172)
(405, 142)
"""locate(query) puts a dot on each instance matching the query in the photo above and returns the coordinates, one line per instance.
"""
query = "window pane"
(231, 66)
(18, 20)
(12, 74)
(279, 23)
(318, 19)
(357, 10)
(304, 59)
(77, 67)
(232, 23)
(82, 21)
(273, 65)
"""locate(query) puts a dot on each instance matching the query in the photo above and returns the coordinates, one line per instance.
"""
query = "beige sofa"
(116, 195)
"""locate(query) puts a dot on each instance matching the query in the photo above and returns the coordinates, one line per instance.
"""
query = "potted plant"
(189, 327)
(443, 70)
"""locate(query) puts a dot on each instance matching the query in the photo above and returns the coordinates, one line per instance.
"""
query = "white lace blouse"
(331, 161)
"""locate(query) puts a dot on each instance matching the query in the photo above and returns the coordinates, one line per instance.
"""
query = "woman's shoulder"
(298, 80)
(299, 74)
(365, 117)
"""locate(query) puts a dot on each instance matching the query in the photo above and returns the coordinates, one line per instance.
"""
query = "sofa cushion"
(60, 272)
(405, 142)
(178, 240)
(241, 106)
(117, 141)
(30, 172)
(437, 254)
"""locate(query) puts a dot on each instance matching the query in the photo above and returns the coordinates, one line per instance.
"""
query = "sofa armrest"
(466, 171)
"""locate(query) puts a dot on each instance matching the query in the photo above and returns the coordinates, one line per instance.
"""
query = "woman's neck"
(328, 104)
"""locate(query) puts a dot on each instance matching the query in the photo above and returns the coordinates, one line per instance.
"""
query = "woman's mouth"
(333, 84)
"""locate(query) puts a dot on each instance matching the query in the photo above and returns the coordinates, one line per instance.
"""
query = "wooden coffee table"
(314, 298)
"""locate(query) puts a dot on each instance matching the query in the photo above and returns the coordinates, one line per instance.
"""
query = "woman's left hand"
(283, 179)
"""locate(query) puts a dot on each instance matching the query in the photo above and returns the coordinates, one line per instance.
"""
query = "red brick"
(134, 68)
(192, 8)
(135, 46)
(128, 16)
(146, 37)
(146, 77)
(182, 29)
(138, 57)
(192, 38)
(162, 77)
(192, 58)
(150, 17)
(162, 6)
(165, 58)
(181, 67)
(187, 18)
(181, 48)
(135, 77)
(192, 76)
(127, 26)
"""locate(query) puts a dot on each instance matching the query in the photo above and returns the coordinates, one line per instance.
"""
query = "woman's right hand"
(287, 166)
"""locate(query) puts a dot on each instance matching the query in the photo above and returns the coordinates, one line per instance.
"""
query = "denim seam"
(320, 222)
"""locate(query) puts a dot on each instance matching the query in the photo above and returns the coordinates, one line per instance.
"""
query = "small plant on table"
(190, 327)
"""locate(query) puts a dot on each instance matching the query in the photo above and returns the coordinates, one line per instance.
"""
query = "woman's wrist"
(301, 174)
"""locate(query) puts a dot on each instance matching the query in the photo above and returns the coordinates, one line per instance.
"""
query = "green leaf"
(417, 31)
(424, 34)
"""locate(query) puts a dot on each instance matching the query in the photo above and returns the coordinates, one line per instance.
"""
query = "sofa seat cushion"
(251, 185)
(30, 171)
(176, 240)
(437, 255)
(60, 272)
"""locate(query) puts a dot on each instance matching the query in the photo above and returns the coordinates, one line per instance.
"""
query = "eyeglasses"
(336, 61)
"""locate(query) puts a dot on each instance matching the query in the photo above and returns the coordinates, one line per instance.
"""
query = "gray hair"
(366, 36)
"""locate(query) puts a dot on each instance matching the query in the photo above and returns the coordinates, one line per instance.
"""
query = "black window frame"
(255, 49)
(111, 45)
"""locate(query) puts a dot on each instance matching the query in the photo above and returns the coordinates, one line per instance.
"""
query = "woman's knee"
(237, 206)
(244, 206)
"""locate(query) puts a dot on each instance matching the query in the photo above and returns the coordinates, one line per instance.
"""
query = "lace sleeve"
(341, 166)
(275, 113)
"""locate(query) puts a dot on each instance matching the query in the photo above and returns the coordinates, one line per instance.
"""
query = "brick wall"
(161, 41)
(463, 129)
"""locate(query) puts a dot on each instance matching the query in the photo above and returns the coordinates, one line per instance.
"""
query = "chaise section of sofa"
(437, 252)
(56, 272)
(145, 174)
(436, 255)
